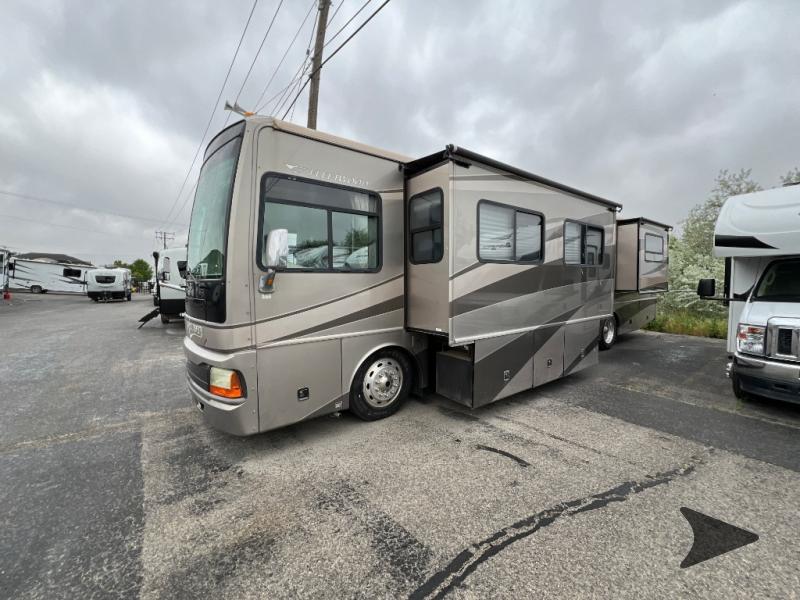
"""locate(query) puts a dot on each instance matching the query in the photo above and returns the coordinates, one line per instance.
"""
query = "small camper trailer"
(324, 275)
(108, 284)
(170, 289)
(642, 274)
(42, 275)
(758, 234)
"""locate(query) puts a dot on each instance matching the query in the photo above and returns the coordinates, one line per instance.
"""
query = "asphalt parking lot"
(112, 485)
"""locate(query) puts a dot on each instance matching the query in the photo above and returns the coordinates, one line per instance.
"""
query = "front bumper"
(237, 417)
(769, 378)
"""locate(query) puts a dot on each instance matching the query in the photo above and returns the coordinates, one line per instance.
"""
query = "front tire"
(381, 385)
(37, 289)
(608, 333)
(737, 389)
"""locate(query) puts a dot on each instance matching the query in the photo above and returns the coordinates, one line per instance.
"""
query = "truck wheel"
(737, 389)
(608, 333)
(381, 385)
(164, 318)
(36, 289)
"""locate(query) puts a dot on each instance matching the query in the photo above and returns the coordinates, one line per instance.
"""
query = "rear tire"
(36, 289)
(608, 333)
(381, 385)
(164, 319)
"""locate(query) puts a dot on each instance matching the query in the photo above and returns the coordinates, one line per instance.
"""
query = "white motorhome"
(108, 284)
(169, 294)
(642, 275)
(40, 276)
(758, 234)
(324, 275)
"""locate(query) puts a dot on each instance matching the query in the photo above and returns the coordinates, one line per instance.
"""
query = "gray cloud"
(103, 102)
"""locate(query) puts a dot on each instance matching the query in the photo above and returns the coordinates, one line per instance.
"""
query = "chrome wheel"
(382, 383)
(609, 331)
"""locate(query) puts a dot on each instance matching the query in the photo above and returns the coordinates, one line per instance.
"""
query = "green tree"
(121, 264)
(691, 254)
(140, 269)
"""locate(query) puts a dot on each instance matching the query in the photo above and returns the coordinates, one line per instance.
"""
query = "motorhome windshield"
(209, 224)
(780, 282)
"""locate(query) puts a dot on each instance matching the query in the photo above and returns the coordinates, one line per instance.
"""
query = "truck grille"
(785, 341)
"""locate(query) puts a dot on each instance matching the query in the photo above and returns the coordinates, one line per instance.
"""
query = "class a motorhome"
(642, 275)
(325, 275)
(758, 234)
(108, 284)
(40, 276)
(170, 291)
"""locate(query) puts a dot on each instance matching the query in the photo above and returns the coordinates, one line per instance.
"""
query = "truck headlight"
(225, 383)
(750, 339)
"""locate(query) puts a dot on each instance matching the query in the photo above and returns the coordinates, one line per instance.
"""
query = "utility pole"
(165, 236)
(313, 96)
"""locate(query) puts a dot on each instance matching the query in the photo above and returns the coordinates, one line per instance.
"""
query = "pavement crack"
(442, 582)
(521, 462)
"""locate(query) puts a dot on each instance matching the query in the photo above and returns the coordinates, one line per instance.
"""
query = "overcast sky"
(104, 103)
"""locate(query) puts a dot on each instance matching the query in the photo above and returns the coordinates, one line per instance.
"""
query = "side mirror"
(707, 288)
(182, 268)
(276, 248)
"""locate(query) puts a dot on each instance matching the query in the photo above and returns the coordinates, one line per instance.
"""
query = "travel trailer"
(42, 275)
(758, 234)
(108, 284)
(325, 275)
(170, 290)
(642, 276)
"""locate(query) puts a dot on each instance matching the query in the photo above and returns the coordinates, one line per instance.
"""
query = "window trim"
(663, 253)
(585, 226)
(329, 220)
(411, 231)
(515, 209)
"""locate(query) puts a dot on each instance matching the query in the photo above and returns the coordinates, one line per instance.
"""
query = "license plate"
(194, 330)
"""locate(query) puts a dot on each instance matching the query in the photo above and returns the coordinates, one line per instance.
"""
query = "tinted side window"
(583, 244)
(329, 227)
(72, 272)
(653, 248)
(425, 216)
(508, 234)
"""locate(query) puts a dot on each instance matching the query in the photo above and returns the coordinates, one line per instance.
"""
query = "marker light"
(750, 339)
(225, 383)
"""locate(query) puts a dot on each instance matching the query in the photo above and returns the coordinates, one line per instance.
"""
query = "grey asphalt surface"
(113, 487)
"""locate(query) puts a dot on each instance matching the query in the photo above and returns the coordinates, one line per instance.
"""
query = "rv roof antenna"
(238, 109)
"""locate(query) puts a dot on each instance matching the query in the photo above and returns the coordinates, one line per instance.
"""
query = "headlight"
(225, 383)
(750, 339)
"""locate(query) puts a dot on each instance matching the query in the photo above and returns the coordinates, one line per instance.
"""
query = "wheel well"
(415, 366)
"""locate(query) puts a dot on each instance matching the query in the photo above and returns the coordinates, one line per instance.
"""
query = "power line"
(244, 82)
(342, 45)
(258, 52)
(275, 72)
(213, 111)
(39, 222)
(350, 20)
(79, 207)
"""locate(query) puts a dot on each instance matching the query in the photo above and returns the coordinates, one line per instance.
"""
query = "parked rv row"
(325, 275)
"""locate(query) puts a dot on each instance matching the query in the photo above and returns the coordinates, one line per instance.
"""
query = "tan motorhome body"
(642, 274)
(299, 347)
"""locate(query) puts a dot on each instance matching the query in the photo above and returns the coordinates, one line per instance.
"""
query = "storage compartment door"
(580, 345)
(298, 381)
(548, 356)
(503, 367)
